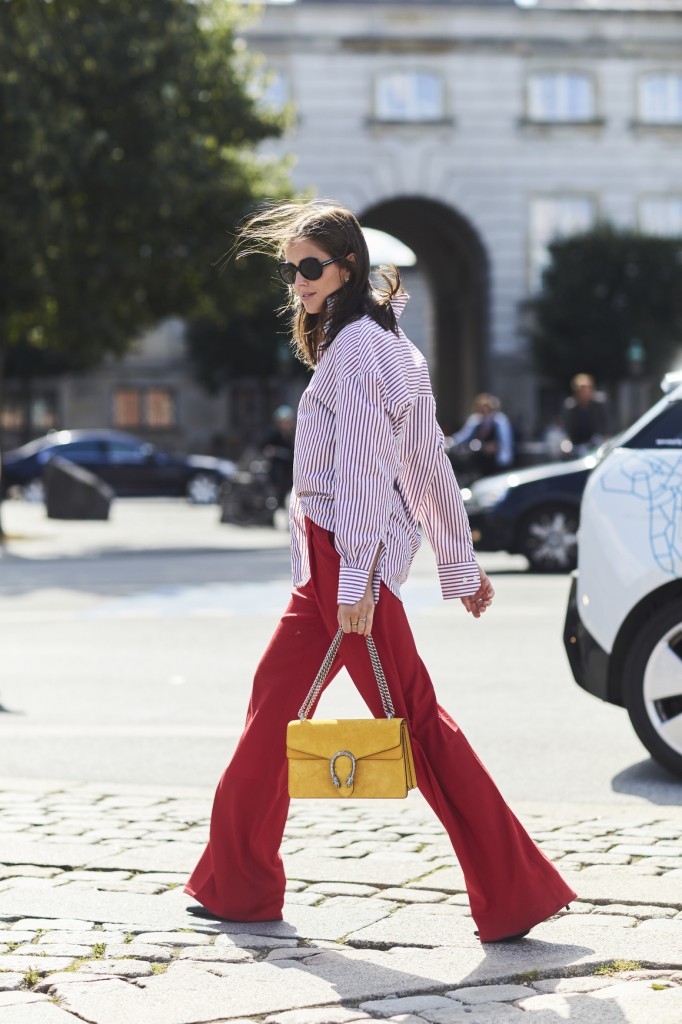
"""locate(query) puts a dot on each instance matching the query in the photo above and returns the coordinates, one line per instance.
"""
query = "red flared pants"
(240, 876)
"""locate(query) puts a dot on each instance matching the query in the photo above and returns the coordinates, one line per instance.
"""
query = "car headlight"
(486, 494)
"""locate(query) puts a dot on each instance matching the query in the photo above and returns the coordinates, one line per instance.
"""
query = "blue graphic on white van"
(658, 481)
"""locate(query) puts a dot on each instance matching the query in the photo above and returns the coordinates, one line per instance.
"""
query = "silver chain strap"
(314, 692)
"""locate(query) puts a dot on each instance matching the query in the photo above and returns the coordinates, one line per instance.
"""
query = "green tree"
(128, 135)
(603, 292)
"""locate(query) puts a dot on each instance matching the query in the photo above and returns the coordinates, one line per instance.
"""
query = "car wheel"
(652, 686)
(33, 490)
(203, 489)
(549, 538)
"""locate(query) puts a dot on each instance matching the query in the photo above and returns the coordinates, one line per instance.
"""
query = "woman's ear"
(351, 259)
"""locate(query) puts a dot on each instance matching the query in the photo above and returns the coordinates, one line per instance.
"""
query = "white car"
(623, 633)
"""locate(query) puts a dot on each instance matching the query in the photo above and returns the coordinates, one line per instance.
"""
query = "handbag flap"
(363, 737)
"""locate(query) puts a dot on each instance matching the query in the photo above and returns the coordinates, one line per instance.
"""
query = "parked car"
(623, 632)
(132, 467)
(532, 512)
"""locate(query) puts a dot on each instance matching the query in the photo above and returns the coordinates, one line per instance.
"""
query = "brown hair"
(336, 231)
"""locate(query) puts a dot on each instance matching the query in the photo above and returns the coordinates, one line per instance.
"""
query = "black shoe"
(506, 938)
(198, 911)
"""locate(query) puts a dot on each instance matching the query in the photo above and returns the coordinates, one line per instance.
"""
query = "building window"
(127, 408)
(561, 96)
(159, 408)
(661, 215)
(153, 408)
(409, 96)
(554, 217)
(36, 413)
(660, 98)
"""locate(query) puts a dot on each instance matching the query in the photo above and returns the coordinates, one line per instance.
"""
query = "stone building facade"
(475, 131)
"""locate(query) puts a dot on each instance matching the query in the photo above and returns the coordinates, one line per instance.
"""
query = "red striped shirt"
(369, 466)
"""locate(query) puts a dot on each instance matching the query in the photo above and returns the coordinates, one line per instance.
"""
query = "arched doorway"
(454, 262)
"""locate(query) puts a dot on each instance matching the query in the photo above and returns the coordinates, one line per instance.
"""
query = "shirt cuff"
(352, 584)
(461, 579)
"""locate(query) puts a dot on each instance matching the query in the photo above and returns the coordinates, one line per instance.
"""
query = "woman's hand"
(357, 618)
(482, 599)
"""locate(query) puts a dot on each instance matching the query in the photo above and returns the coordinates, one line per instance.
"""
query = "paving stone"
(302, 953)
(490, 1013)
(330, 921)
(221, 954)
(79, 938)
(635, 1002)
(341, 889)
(318, 1015)
(139, 951)
(589, 984)
(67, 977)
(56, 924)
(474, 996)
(375, 870)
(68, 949)
(27, 871)
(10, 982)
(8, 935)
(253, 941)
(20, 998)
(304, 899)
(172, 938)
(177, 857)
(447, 880)
(120, 968)
(154, 912)
(42, 963)
(641, 913)
(621, 885)
(404, 928)
(411, 895)
(406, 1004)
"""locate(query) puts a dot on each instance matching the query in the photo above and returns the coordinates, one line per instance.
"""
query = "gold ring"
(353, 623)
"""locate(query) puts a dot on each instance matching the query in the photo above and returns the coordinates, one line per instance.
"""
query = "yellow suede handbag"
(364, 758)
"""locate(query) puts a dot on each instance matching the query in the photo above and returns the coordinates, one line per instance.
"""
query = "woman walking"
(369, 467)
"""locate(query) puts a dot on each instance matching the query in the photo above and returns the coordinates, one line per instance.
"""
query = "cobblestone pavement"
(94, 927)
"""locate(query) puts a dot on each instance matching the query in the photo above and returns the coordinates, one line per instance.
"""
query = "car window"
(81, 451)
(128, 451)
(665, 431)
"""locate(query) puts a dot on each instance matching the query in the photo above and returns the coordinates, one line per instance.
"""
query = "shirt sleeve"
(446, 526)
(366, 465)
(300, 562)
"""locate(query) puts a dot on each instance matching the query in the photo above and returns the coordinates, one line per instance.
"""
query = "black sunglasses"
(310, 268)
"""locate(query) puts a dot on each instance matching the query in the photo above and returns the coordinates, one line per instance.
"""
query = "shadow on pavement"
(650, 781)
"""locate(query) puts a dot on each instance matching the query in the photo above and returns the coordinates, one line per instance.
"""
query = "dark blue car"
(532, 512)
(132, 467)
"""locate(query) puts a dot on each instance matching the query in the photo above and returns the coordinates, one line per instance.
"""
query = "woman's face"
(314, 293)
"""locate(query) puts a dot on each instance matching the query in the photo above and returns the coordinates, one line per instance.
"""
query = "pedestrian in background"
(278, 449)
(585, 416)
(488, 435)
(369, 467)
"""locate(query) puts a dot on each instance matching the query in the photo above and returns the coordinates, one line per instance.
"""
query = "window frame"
(391, 119)
(662, 197)
(534, 267)
(562, 73)
(143, 392)
(650, 122)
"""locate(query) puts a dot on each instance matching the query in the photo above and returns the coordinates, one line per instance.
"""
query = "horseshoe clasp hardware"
(332, 768)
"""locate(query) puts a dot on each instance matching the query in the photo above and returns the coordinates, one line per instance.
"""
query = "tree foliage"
(128, 138)
(603, 292)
